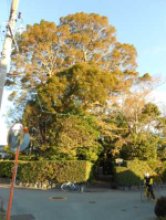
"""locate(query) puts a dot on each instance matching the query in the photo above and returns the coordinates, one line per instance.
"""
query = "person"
(148, 183)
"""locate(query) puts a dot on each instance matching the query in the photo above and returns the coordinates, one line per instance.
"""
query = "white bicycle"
(69, 186)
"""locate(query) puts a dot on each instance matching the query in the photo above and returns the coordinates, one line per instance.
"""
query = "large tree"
(47, 48)
(78, 67)
(74, 92)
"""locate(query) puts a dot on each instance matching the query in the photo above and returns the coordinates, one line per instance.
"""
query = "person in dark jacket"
(148, 183)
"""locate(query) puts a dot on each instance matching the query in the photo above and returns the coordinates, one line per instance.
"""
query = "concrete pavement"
(99, 204)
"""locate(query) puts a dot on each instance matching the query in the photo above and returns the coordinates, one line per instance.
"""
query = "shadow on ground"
(23, 217)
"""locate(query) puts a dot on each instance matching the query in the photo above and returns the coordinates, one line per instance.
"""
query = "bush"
(160, 207)
(125, 177)
(163, 172)
(5, 169)
(139, 167)
(52, 171)
(133, 174)
(154, 164)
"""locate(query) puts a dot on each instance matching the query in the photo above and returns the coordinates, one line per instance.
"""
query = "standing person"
(148, 183)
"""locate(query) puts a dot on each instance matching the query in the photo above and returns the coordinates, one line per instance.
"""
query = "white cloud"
(159, 97)
(154, 51)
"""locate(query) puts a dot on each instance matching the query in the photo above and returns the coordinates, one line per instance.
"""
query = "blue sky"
(139, 22)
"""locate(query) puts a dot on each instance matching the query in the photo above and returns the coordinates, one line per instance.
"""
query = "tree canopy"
(47, 48)
(77, 88)
(81, 94)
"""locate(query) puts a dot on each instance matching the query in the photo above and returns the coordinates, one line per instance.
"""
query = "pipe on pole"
(7, 46)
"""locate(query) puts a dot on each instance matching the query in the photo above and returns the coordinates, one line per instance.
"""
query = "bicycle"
(146, 194)
(71, 186)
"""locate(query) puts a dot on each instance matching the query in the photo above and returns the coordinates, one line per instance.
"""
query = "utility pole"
(7, 46)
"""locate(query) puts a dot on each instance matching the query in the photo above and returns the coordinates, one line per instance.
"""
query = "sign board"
(119, 161)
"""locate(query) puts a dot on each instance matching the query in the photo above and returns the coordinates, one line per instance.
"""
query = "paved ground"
(99, 204)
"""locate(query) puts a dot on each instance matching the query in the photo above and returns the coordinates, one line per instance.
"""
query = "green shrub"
(133, 174)
(124, 177)
(139, 168)
(163, 172)
(53, 171)
(155, 165)
(160, 169)
(5, 169)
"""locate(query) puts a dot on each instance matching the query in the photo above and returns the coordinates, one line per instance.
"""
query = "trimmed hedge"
(5, 169)
(133, 173)
(160, 169)
(163, 172)
(52, 171)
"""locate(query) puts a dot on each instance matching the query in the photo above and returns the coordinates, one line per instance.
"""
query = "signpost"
(18, 140)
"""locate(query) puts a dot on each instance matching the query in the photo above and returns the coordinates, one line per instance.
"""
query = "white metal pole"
(7, 46)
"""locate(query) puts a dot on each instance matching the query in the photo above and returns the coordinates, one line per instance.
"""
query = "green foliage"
(125, 177)
(151, 109)
(78, 68)
(77, 88)
(150, 113)
(53, 171)
(135, 170)
(57, 172)
(140, 167)
(133, 174)
(65, 136)
(76, 136)
(142, 146)
(161, 151)
(155, 165)
(162, 171)
(130, 131)
(89, 153)
(47, 48)
(69, 132)
(145, 77)
(5, 169)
